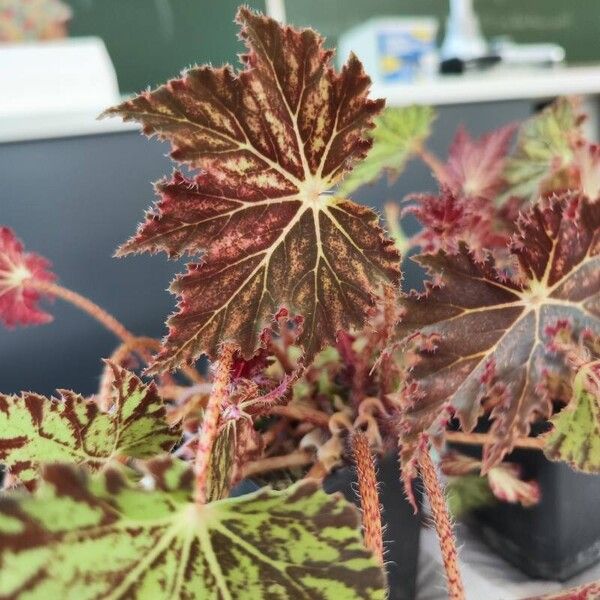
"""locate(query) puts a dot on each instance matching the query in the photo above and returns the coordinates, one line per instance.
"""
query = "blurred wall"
(574, 24)
(152, 40)
(74, 200)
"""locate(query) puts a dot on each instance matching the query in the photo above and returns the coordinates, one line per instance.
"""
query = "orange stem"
(299, 458)
(443, 526)
(317, 471)
(479, 439)
(301, 413)
(209, 429)
(132, 342)
(588, 591)
(85, 304)
(369, 498)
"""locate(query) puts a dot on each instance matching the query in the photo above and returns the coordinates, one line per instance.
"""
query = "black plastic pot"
(558, 537)
(402, 526)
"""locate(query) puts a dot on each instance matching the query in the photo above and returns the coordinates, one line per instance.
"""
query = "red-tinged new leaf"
(508, 486)
(449, 219)
(489, 331)
(271, 141)
(18, 271)
(475, 167)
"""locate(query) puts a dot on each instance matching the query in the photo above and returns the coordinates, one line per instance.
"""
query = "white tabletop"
(497, 84)
(485, 574)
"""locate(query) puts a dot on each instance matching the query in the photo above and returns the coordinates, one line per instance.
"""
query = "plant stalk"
(86, 305)
(479, 439)
(298, 458)
(443, 526)
(301, 413)
(369, 497)
(209, 429)
(130, 342)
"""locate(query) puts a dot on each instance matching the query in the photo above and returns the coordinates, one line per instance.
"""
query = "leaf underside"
(271, 141)
(35, 429)
(488, 331)
(103, 538)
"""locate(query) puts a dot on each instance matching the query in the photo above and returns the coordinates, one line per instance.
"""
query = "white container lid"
(56, 77)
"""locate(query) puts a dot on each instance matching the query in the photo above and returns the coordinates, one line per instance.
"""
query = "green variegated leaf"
(575, 437)
(397, 135)
(544, 147)
(468, 493)
(237, 443)
(104, 538)
(35, 429)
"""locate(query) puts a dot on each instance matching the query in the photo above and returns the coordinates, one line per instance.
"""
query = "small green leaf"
(397, 135)
(575, 437)
(468, 493)
(544, 147)
(103, 538)
(36, 429)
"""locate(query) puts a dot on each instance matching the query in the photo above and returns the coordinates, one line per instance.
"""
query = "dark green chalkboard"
(575, 24)
(152, 40)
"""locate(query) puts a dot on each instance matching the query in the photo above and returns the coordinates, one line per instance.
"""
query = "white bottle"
(463, 37)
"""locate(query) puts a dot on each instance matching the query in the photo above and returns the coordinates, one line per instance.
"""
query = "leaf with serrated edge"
(104, 538)
(236, 444)
(575, 437)
(488, 331)
(544, 147)
(19, 299)
(475, 167)
(397, 136)
(272, 140)
(35, 429)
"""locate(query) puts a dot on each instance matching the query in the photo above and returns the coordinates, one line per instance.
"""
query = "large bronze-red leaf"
(271, 141)
(489, 332)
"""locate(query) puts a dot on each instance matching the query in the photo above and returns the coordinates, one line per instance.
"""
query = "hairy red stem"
(209, 428)
(369, 498)
(298, 458)
(479, 439)
(301, 413)
(85, 304)
(443, 526)
(588, 591)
